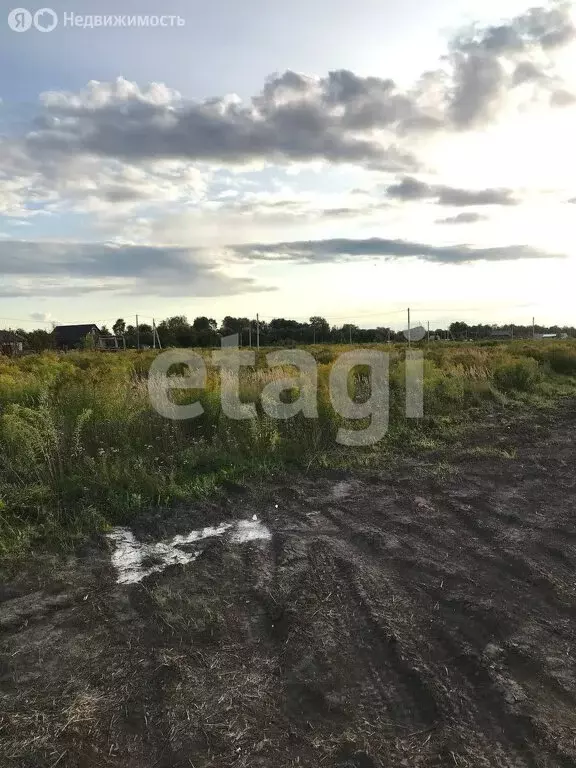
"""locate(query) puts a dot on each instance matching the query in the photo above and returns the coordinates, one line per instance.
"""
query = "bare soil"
(420, 615)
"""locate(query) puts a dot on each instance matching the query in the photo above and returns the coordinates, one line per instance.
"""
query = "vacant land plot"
(418, 615)
(82, 448)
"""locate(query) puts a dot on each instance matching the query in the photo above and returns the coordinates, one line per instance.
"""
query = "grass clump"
(521, 375)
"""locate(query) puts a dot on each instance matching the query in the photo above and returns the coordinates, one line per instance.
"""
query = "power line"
(26, 320)
(339, 317)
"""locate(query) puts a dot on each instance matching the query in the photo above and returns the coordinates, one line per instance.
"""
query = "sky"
(335, 158)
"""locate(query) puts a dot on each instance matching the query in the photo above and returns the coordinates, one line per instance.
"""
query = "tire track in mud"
(419, 685)
(409, 690)
(510, 738)
(528, 569)
(400, 688)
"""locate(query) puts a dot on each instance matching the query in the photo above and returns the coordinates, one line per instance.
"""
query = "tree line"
(204, 331)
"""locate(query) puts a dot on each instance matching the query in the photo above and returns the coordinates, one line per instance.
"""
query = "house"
(11, 343)
(76, 336)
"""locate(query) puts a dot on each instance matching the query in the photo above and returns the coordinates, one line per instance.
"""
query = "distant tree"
(204, 324)
(459, 329)
(39, 340)
(145, 333)
(382, 334)
(232, 325)
(176, 332)
(280, 323)
(119, 327)
(349, 332)
(320, 328)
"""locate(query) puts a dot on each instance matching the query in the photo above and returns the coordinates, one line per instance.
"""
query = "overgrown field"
(81, 448)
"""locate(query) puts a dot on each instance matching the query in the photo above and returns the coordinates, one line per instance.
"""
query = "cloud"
(264, 207)
(39, 182)
(410, 188)
(70, 269)
(121, 150)
(340, 117)
(41, 317)
(463, 218)
(562, 98)
(486, 63)
(293, 118)
(351, 249)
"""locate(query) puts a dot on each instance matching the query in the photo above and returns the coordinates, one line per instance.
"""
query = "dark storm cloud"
(342, 249)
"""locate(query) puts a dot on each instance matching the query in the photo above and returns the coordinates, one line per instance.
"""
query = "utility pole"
(137, 334)
(153, 334)
(409, 326)
(257, 331)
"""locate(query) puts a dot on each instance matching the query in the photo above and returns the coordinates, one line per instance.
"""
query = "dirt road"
(421, 615)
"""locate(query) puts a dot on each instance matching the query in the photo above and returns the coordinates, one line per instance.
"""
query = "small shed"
(11, 343)
(75, 336)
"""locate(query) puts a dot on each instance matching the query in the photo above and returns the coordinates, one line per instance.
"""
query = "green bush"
(520, 375)
(562, 360)
(324, 356)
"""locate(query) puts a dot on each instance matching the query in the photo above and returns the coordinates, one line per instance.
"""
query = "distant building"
(498, 333)
(11, 343)
(550, 335)
(76, 336)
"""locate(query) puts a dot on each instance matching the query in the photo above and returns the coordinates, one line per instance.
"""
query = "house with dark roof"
(76, 336)
(11, 343)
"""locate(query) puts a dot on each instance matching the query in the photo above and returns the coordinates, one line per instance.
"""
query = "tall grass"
(82, 448)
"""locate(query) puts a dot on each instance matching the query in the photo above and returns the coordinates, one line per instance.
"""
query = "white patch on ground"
(341, 489)
(130, 555)
(249, 530)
